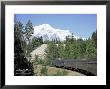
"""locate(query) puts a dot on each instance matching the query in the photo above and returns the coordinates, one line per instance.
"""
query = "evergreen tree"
(94, 38)
(90, 49)
(61, 50)
(20, 62)
(67, 50)
(36, 41)
(28, 33)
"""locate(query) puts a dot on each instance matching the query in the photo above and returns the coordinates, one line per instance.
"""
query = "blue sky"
(81, 25)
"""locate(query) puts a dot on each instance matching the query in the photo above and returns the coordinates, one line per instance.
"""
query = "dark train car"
(88, 66)
(58, 63)
(92, 67)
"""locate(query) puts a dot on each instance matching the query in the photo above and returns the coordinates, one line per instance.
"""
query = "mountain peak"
(50, 33)
(46, 25)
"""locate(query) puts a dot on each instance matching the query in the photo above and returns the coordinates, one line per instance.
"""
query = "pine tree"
(61, 50)
(20, 62)
(28, 33)
(94, 38)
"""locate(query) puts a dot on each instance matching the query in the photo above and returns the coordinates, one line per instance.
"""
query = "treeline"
(73, 48)
(24, 43)
(24, 34)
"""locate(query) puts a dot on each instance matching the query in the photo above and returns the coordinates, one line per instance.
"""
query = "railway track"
(87, 67)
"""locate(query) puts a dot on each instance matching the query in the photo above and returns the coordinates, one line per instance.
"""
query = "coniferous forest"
(70, 49)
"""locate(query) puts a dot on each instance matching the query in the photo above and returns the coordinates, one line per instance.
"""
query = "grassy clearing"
(40, 70)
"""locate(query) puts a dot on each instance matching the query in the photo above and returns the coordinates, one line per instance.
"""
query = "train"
(87, 67)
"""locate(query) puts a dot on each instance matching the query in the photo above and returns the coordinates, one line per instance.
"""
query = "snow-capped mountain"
(50, 33)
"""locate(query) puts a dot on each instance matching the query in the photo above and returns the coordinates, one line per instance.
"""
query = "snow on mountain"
(50, 33)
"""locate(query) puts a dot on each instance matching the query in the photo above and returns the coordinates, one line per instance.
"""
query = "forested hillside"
(73, 49)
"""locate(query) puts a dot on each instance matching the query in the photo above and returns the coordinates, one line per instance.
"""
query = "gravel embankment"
(39, 51)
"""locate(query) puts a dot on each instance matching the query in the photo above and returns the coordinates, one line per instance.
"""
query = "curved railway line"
(86, 67)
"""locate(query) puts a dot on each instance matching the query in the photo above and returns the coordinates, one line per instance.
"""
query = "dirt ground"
(51, 71)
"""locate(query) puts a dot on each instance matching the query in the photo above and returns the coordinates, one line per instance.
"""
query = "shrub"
(44, 71)
(61, 73)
